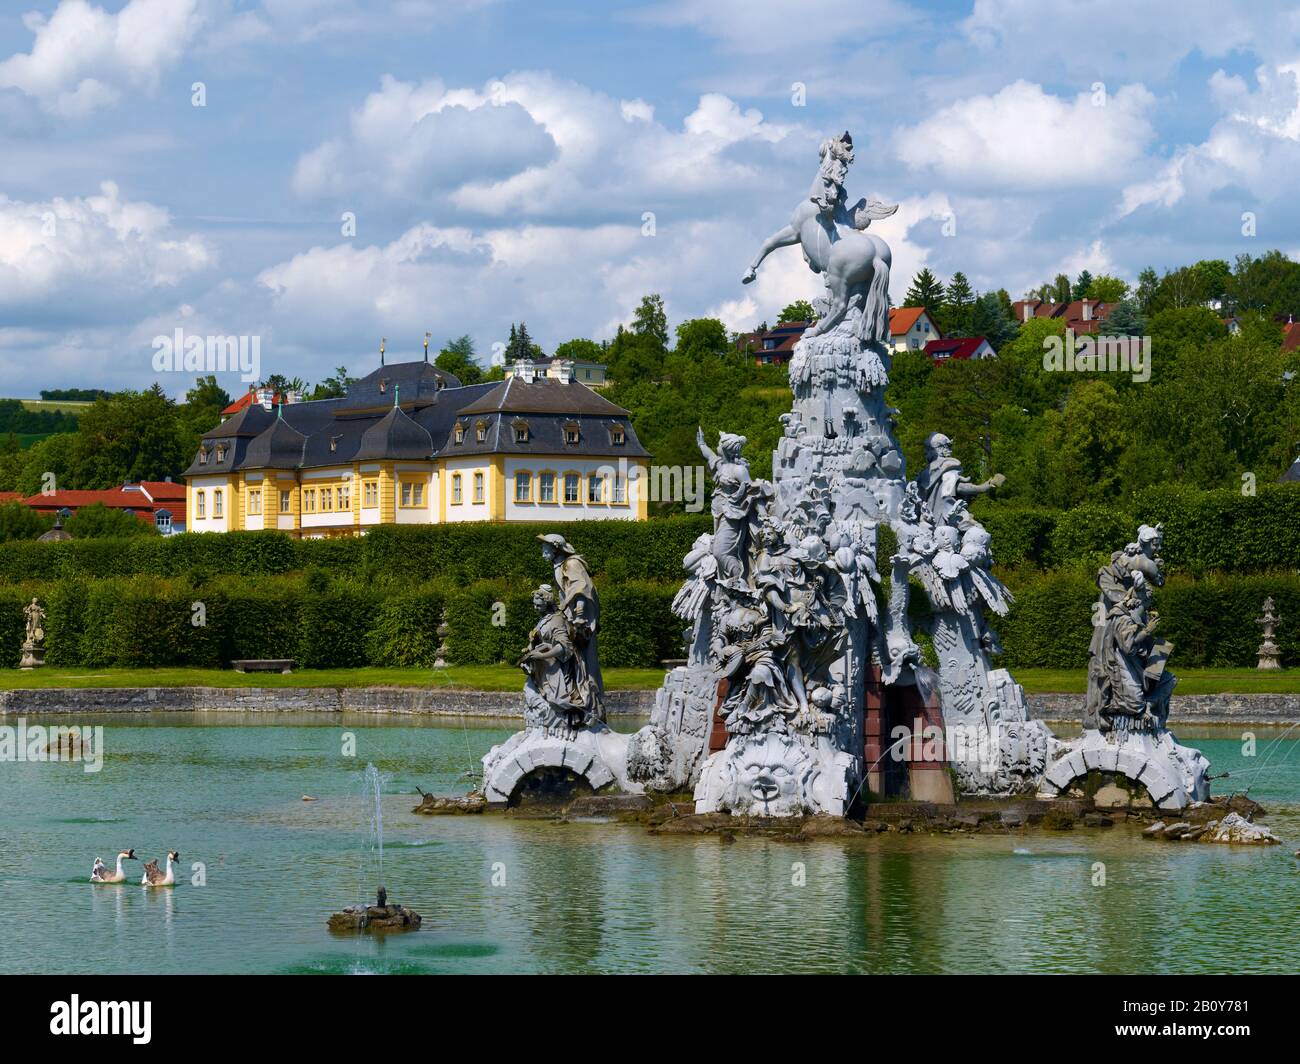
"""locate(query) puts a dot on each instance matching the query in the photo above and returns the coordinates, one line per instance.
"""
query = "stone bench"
(281, 665)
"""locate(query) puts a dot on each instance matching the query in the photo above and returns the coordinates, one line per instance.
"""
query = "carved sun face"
(772, 776)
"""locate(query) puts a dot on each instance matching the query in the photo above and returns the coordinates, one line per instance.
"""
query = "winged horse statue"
(855, 265)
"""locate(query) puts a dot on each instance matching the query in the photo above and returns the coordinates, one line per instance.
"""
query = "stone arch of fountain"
(1150, 766)
(533, 761)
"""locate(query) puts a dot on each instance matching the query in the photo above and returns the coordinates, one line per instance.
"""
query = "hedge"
(1203, 530)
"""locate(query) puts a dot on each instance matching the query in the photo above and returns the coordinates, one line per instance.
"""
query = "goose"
(155, 878)
(101, 874)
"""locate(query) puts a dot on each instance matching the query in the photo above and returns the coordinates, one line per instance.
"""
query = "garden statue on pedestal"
(33, 656)
(1125, 742)
(1270, 656)
(565, 746)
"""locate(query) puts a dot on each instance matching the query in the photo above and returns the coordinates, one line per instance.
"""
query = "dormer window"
(460, 433)
(383, 385)
(334, 443)
(203, 456)
(480, 432)
(221, 452)
(521, 431)
(617, 435)
(571, 432)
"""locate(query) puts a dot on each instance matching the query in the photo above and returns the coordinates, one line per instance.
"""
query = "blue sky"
(499, 158)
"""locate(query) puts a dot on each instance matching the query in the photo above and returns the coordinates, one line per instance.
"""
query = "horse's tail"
(875, 315)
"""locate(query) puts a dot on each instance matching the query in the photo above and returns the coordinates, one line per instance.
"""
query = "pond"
(505, 895)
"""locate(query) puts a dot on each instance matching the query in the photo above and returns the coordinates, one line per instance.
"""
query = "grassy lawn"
(508, 678)
(468, 677)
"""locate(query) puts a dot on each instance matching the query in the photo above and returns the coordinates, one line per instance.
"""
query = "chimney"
(265, 396)
(1029, 310)
(1087, 310)
(563, 371)
(293, 397)
(525, 370)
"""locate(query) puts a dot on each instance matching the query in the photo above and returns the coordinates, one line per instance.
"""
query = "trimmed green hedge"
(1204, 530)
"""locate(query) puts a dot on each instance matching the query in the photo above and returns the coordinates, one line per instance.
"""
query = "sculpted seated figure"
(559, 695)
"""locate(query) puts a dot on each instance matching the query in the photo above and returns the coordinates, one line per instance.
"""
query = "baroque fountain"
(804, 689)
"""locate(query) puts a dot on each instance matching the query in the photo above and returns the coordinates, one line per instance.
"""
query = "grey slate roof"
(366, 426)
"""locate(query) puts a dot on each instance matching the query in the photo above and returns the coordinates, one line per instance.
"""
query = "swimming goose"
(154, 878)
(101, 874)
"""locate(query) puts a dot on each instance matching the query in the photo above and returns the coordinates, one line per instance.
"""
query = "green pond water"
(503, 895)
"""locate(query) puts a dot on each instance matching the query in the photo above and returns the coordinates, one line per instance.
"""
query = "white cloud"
(83, 57)
(1254, 147)
(73, 253)
(1027, 138)
(534, 145)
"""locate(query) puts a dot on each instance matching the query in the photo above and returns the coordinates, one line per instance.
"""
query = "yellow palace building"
(409, 444)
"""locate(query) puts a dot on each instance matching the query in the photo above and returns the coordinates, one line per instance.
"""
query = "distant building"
(159, 502)
(260, 395)
(592, 374)
(1079, 315)
(911, 328)
(1290, 335)
(960, 347)
(773, 347)
(409, 444)
(1292, 474)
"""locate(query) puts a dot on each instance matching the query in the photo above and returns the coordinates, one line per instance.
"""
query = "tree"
(580, 350)
(335, 387)
(990, 318)
(926, 291)
(457, 358)
(1107, 289)
(955, 318)
(799, 310)
(1269, 284)
(98, 521)
(651, 320)
(1148, 287)
(130, 436)
(520, 347)
(702, 338)
(1061, 289)
(1082, 286)
(21, 522)
(1125, 320)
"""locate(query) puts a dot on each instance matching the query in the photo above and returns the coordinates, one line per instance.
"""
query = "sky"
(318, 174)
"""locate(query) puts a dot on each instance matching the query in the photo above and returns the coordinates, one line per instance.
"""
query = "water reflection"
(506, 894)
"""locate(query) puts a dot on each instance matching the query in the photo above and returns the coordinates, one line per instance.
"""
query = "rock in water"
(440, 805)
(1235, 828)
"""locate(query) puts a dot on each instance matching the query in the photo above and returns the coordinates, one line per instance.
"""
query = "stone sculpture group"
(803, 682)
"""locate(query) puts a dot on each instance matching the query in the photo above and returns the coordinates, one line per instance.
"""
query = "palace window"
(370, 494)
(201, 504)
(326, 499)
(216, 503)
(203, 456)
(595, 489)
(255, 501)
(286, 501)
(521, 431)
(572, 434)
(345, 497)
(478, 487)
(546, 487)
(309, 500)
(419, 493)
(523, 486)
(617, 435)
(221, 452)
(460, 434)
(406, 492)
(457, 491)
(480, 432)
(572, 487)
(620, 490)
